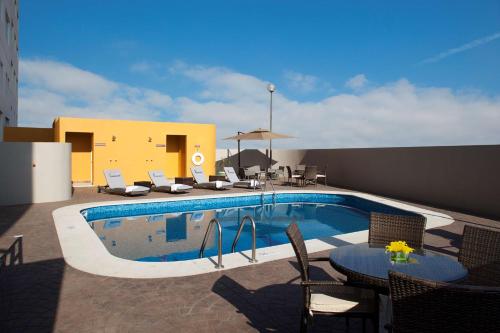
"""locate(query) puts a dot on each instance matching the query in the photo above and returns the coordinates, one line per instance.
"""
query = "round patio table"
(370, 265)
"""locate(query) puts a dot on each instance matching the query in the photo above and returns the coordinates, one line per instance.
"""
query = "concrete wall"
(9, 72)
(34, 172)
(462, 178)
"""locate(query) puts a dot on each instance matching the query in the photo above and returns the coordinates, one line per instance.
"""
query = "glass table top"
(375, 262)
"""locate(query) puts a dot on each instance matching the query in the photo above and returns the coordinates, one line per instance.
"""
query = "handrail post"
(219, 243)
(254, 237)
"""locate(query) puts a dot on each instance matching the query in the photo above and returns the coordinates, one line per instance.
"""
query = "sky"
(347, 73)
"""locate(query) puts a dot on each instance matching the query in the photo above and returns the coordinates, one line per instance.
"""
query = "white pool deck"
(83, 250)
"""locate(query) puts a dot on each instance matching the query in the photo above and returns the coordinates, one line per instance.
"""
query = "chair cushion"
(347, 299)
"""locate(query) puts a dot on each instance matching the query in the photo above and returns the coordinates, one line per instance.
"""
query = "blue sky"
(197, 52)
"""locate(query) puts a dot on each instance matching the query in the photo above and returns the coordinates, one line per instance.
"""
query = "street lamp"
(271, 88)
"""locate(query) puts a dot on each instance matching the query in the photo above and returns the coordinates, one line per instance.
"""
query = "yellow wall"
(28, 134)
(132, 153)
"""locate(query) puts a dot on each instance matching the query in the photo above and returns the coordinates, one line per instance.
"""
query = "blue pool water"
(172, 231)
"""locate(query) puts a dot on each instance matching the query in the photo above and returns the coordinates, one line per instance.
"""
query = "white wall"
(34, 172)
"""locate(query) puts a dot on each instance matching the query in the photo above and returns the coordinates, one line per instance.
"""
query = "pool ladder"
(264, 189)
(254, 239)
(233, 248)
(219, 243)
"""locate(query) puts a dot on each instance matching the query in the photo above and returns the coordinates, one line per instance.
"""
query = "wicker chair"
(329, 297)
(427, 306)
(310, 174)
(480, 253)
(385, 228)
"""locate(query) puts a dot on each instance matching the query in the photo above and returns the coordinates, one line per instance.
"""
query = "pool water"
(174, 230)
(178, 236)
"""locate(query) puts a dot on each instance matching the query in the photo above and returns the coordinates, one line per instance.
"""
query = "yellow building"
(134, 147)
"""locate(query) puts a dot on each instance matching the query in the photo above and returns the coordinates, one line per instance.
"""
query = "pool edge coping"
(83, 250)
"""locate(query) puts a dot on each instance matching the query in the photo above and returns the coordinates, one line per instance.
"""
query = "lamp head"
(271, 87)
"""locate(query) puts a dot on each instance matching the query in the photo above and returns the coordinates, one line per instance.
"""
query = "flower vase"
(399, 257)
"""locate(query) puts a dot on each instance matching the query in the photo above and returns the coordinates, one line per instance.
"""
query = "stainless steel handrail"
(219, 243)
(254, 239)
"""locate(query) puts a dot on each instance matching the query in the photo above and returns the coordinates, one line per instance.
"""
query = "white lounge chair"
(116, 184)
(161, 184)
(202, 180)
(233, 179)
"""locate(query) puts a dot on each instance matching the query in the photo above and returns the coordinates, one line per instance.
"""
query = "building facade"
(134, 147)
(9, 64)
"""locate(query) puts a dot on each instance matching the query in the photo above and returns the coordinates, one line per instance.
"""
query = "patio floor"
(44, 294)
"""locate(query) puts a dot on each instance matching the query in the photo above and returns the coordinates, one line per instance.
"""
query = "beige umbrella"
(258, 134)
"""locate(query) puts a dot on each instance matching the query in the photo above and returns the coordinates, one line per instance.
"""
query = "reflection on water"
(178, 236)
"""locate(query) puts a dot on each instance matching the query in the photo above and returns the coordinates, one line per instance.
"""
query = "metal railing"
(254, 239)
(14, 254)
(219, 243)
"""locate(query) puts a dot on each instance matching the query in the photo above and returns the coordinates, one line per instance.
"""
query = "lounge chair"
(116, 184)
(233, 179)
(161, 184)
(202, 180)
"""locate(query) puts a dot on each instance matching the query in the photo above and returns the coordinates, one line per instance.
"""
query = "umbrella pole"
(239, 155)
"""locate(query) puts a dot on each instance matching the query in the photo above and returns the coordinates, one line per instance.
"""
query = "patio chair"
(291, 176)
(116, 184)
(251, 172)
(236, 182)
(299, 169)
(480, 253)
(329, 297)
(202, 180)
(161, 183)
(427, 306)
(309, 176)
(322, 174)
(386, 228)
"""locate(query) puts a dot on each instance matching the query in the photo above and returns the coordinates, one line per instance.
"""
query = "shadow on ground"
(277, 307)
(29, 296)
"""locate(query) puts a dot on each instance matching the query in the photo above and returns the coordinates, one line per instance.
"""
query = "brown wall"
(461, 178)
(28, 134)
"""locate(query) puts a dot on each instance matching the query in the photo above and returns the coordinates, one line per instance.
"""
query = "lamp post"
(271, 88)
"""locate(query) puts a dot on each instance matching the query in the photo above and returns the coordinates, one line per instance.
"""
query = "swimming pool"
(174, 231)
(171, 220)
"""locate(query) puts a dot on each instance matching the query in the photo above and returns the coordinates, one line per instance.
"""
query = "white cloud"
(302, 83)
(50, 89)
(475, 43)
(393, 114)
(357, 82)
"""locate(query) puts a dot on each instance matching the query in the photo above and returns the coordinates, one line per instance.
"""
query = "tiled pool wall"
(188, 205)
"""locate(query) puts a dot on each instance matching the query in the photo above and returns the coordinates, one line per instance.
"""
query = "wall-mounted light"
(149, 139)
(113, 138)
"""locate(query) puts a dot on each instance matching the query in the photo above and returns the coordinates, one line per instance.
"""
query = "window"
(8, 28)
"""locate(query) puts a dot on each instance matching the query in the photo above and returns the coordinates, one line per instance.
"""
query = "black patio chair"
(480, 253)
(329, 297)
(427, 306)
(386, 228)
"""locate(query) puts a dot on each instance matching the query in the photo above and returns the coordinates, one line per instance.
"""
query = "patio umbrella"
(258, 134)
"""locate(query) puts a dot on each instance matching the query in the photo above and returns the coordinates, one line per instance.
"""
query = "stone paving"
(45, 295)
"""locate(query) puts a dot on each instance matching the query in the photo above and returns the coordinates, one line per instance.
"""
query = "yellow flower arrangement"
(399, 246)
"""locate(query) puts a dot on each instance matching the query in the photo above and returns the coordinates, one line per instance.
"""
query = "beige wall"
(462, 178)
(34, 172)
